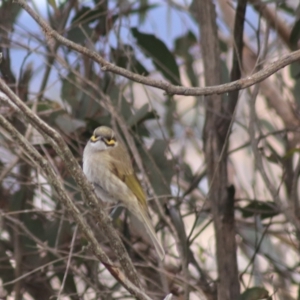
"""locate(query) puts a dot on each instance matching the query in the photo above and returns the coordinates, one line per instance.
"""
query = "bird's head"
(103, 138)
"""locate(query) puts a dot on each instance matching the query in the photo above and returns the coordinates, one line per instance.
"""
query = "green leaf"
(83, 105)
(296, 91)
(68, 124)
(88, 107)
(187, 172)
(158, 167)
(255, 293)
(80, 27)
(63, 228)
(125, 109)
(284, 6)
(182, 46)
(295, 36)
(120, 101)
(35, 224)
(48, 106)
(295, 73)
(161, 56)
(158, 152)
(52, 3)
(223, 46)
(7, 272)
(224, 72)
(291, 152)
(266, 209)
(16, 200)
(138, 68)
(142, 115)
(295, 70)
(124, 57)
(144, 8)
(184, 42)
(78, 35)
(70, 287)
(270, 128)
(225, 77)
(201, 218)
(71, 186)
(69, 91)
(86, 15)
(274, 157)
(189, 62)
(180, 229)
(170, 106)
(143, 12)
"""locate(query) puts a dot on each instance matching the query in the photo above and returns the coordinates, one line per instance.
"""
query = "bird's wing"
(124, 171)
(134, 185)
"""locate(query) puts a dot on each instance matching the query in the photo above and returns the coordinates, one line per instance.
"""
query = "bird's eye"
(109, 142)
(93, 138)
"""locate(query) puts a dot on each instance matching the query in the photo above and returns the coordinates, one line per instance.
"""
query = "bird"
(107, 165)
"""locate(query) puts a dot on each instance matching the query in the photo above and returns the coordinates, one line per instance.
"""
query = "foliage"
(43, 255)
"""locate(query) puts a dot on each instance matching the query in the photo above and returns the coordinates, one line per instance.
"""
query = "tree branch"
(215, 137)
(163, 85)
(74, 169)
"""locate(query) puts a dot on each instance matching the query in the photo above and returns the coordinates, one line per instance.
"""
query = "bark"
(217, 125)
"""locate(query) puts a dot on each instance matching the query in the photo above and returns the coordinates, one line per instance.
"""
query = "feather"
(144, 218)
(108, 166)
(139, 208)
(124, 171)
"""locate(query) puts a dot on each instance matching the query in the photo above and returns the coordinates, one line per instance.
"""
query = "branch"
(107, 104)
(274, 191)
(274, 19)
(74, 169)
(237, 60)
(163, 85)
(215, 138)
(73, 210)
(44, 247)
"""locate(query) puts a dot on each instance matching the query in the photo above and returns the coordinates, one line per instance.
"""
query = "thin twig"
(73, 210)
(44, 247)
(259, 162)
(163, 85)
(68, 262)
(73, 167)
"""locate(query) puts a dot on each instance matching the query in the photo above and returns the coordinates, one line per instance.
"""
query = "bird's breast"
(108, 186)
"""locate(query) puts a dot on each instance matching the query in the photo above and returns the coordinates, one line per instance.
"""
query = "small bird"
(106, 164)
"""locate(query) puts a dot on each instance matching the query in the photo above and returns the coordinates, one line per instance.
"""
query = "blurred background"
(161, 40)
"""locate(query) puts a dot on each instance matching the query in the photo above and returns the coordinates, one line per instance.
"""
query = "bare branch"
(104, 221)
(163, 85)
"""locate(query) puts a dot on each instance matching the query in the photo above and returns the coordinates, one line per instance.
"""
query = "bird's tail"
(151, 232)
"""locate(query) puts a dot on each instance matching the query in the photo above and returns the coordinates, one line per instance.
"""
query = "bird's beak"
(93, 138)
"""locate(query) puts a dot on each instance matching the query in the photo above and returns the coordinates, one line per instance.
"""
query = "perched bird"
(106, 164)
